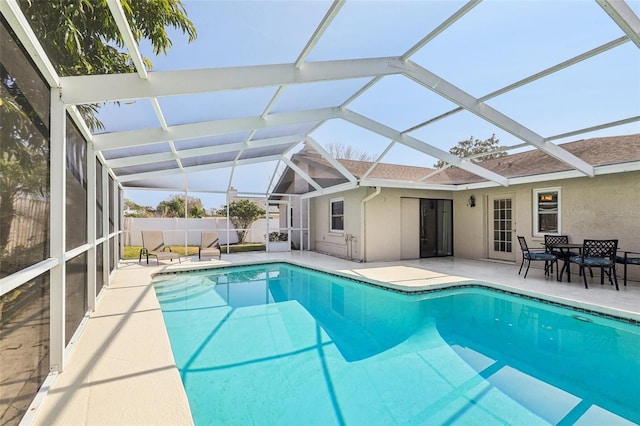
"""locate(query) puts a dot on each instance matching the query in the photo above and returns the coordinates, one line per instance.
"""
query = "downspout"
(363, 227)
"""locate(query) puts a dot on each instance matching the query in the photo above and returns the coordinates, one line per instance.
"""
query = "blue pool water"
(281, 345)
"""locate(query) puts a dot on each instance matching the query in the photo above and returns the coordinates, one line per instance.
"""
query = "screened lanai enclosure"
(402, 80)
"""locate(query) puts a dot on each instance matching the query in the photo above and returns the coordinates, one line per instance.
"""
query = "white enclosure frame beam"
(210, 128)
(199, 152)
(201, 168)
(324, 24)
(273, 177)
(379, 159)
(624, 17)
(114, 87)
(302, 173)
(594, 128)
(454, 94)
(330, 190)
(421, 146)
(57, 230)
(548, 71)
(105, 225)
(127, 36)
(331, 14)
(390, 183)
(16, 19)
(91, 228)
(335, 163)
(466, 8)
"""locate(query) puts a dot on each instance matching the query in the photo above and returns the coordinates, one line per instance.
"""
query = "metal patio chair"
(550, 240)
(598, 254)
(629, 258)
(529, 256)
(561, 254)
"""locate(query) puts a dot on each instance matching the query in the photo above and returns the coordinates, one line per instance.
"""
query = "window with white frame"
(546, 211)
(336, 219)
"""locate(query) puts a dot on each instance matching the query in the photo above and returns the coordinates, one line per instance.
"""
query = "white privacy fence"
(181, 231)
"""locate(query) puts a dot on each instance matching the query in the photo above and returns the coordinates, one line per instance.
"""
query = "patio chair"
(209, 245)
(550, 240)
(561, 254)
(153, 245)
(529, 256)
(598, 254)
(629, 258)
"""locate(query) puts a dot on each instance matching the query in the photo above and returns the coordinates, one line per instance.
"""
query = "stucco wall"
(409, 223)
(383, 220)
(601, 207)
(346, 244)
(382, 217)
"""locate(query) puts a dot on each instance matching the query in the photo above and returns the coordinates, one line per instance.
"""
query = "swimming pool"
(280, 344)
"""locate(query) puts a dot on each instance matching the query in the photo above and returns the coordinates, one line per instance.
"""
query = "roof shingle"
(595, 151)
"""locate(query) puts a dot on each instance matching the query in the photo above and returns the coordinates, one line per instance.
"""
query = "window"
(546, 213)
(336, 220)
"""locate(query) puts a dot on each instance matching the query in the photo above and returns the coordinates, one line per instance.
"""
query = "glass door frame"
(440, 235)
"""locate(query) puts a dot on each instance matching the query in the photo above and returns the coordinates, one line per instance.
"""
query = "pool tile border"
(417, 291)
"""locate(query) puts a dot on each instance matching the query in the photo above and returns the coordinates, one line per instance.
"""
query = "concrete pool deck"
(121, 370)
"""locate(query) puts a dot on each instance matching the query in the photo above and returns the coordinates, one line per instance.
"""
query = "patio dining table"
(566, 248)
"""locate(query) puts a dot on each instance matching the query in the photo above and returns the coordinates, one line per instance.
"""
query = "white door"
(502, 227)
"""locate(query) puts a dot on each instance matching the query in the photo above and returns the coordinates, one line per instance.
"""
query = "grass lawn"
(132, 252)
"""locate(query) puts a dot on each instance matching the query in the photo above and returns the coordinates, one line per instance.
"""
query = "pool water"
(278, 344)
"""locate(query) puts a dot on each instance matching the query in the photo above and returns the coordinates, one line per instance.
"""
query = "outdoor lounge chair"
(153, 245)
(532, 255)
(209, 245)
(598, 254)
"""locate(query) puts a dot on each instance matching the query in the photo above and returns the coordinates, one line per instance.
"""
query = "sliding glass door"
(436, 227)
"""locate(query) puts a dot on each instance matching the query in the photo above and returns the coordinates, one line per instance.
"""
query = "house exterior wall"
(384, 230)
(601, 207)
(345, 244)
(382, 221)
(409, 222)
(606, 206)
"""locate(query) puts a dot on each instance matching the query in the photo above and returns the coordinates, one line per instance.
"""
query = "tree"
(174, 207)
(474, 148)
(136, 210)
(24, 154)
(346, 152)
(81, 37)
(242, 214)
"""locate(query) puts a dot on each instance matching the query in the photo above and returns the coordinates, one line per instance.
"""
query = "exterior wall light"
(472, 201)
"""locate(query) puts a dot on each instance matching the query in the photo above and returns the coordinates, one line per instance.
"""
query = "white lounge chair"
(209, 245)
(153, 245)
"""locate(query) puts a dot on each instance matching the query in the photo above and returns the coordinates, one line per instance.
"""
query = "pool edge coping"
(586, 307)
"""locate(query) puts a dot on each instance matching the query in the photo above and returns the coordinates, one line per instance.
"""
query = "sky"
(494, 45)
